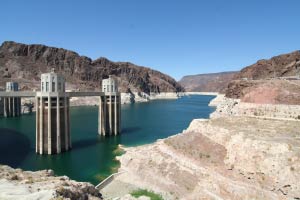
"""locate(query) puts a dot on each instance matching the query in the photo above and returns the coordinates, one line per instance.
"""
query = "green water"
(92, 156)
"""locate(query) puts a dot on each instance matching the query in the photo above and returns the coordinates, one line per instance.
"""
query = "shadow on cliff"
(14, 147)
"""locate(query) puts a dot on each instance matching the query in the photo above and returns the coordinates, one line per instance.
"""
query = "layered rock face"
(222, 158)
(265, 91)
(235, 107)
(266, 82)
(42, 185)
(25, 63)
(244, 151)
(215, 82)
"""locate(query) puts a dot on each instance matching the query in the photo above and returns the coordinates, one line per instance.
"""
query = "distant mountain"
(214, 82)
(25, 63)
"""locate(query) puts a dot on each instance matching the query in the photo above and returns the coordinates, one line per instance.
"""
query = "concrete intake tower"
(52, 105)
(109, 108)
(12, 105)
(52, 116)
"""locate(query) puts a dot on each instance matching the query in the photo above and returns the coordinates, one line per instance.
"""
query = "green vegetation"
(118, 151)
(141, 192)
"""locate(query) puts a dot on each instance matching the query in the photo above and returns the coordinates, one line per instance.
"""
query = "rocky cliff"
(267, 81)
(265, 91)
(278, 66)
(243, 151)
(215, 82)
(25, 63)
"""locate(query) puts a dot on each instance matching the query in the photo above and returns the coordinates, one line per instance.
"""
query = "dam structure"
(110, 108)
(12, 105)
(52, 116)
(52, 106)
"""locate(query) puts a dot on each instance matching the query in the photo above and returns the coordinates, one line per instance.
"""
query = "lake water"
(93, 157)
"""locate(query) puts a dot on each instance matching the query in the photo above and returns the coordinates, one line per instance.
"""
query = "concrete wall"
(110, 115)
(11, 106)
(1, 107)
(52, 142)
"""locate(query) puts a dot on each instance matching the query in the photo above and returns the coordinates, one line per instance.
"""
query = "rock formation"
(237, 154)
(267, 82)
(25, 63)
(278, 66)
(42, 185)
(265, 91)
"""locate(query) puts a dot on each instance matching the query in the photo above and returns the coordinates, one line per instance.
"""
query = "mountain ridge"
(269, 81)
(26, 62)
(287, 64)
(209, 82)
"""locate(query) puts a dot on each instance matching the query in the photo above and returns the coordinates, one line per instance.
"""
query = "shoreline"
(149, 158)
(126, 98)
(238, 143)
(203, 93)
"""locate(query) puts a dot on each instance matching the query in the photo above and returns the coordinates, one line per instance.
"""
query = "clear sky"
(177, 37)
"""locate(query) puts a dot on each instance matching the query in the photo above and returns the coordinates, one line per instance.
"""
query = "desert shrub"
(292, 169)
(14, 177)
(141, 192)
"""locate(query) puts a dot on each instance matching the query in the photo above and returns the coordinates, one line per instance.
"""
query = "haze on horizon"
(175, 37)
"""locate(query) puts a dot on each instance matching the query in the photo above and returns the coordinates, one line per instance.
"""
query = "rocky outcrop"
(221, 158)
(236, 154)
(272, 81)
(25, 63)
(42, 185)
(215, 82)
(235, 107)
(278, 66)
(265, 91)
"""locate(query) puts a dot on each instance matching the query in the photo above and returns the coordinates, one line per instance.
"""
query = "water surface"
(92, 156)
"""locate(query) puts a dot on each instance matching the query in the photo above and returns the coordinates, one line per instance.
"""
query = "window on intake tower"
(47, 86)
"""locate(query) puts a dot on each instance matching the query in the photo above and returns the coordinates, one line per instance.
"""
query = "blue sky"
(177, 37)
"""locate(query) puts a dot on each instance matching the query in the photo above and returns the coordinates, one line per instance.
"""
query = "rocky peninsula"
(17, 184)
(242, 152)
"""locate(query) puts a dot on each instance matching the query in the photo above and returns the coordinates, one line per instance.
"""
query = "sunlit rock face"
(224, 157)
(244, 151)
(18, 184)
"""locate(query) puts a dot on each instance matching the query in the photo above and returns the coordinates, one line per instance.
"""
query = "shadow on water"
(104, 140)
(81, 144)
(14, 147)
(129, 130)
